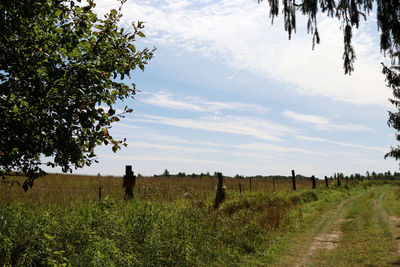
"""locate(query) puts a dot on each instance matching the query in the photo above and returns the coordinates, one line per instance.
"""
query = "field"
(64, 190)
(172, 222)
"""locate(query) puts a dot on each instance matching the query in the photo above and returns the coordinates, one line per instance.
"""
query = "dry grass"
(66, 190)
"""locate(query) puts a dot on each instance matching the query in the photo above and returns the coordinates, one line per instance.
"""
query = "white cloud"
(164, 159)
(176, 149)
(250, 126)
(316, 139)
(269, 147)
(323, 123)
(305, 118)
(205, 143)
(238, 33)
(132, 132)
(164, 99)
(257, 156)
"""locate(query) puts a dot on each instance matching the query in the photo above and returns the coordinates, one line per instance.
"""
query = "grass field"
(171, 222)
(65, 190)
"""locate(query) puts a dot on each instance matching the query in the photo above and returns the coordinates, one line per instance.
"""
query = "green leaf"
(15, 109)
(132, 48)
(70, 57)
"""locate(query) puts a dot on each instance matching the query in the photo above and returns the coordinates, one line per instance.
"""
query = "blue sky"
(226, 91)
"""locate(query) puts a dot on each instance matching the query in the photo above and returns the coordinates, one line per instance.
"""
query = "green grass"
(366, 238)
(252, 228)
(291, 241)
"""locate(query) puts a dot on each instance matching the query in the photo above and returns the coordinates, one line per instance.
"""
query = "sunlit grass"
(66, 190)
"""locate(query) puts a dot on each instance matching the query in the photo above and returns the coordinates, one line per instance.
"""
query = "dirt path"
(395, 228)
(327, 236)
(358, 232)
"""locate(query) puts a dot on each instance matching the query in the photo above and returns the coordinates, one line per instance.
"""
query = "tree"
(350, 13)
(166, 173)
(61, 71)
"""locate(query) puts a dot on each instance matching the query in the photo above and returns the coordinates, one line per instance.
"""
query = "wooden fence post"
(250, 184)
(313, 181)
(273, 183)
(240, 187)
(129, 182)
(294, 180)
(326, 182)
(220, 196)
(99, 194)
(338, 180)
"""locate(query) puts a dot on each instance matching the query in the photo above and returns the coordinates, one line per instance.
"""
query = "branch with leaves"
(350, 13)
(61, 71)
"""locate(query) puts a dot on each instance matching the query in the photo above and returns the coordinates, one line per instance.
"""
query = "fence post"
(313, 181)
(326, 182)
(294, 180)
(273, 183)
(220, 196)
(250, 184)
(338, 180)
(129, 182)
(99, 194)
(240, 187)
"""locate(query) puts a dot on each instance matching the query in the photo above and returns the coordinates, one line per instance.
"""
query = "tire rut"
(327, 238)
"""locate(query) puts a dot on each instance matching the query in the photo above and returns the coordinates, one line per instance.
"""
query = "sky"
(227, 91)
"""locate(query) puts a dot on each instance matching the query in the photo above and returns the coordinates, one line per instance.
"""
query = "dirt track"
(360, 231)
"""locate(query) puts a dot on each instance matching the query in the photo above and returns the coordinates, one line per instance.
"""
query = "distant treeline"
(357, 176)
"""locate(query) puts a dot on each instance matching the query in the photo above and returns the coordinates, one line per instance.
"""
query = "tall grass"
(171, 222)
(64, 190)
